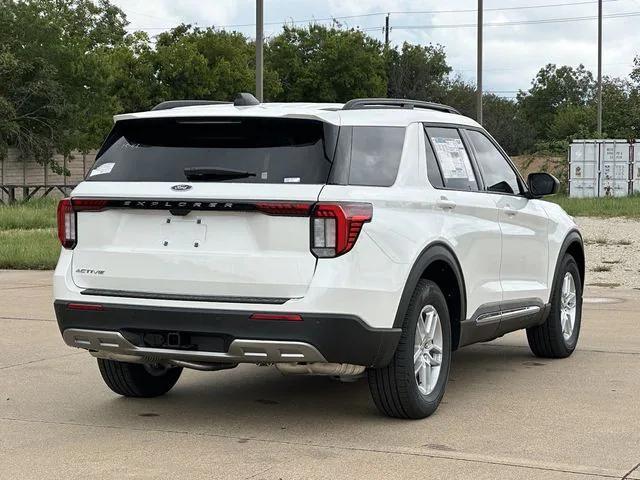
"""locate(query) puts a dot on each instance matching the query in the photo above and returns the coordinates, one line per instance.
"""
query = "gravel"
(613, 251)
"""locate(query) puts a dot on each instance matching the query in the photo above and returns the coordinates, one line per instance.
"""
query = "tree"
(504, 120)
(460, 95)
(573, 121)
(554, 88)
(320, 64)
(417, 72)
(207, 64)
(621, 112)
(635, 73)
(502, 117)
(132, 79)
(66, 66)
(53, 74)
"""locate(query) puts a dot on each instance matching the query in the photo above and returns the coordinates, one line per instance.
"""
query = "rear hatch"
(203, 207)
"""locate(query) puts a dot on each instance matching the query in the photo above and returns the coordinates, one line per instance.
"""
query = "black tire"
(547, 340)
(394, 388)
(134, 380)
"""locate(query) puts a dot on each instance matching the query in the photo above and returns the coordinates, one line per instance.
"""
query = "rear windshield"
(267, 150)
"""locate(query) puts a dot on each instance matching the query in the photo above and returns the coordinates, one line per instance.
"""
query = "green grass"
(28, 238)
(39, 213)
(35, 249)
(599, 207)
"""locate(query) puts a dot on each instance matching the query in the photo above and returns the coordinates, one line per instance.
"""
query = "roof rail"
(363, 103)
(185, 103)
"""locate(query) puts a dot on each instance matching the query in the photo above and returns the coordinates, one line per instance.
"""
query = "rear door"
(214, 207)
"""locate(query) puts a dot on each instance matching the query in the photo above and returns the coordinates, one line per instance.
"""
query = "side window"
(375, 155)
(453, 159)
(433, 170)
(497, 173)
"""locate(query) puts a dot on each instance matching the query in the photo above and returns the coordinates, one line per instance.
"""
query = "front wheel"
(138, 380)
(413, 384)
(557, 337)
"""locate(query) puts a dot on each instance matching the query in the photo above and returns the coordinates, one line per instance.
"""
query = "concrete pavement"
(506, 414)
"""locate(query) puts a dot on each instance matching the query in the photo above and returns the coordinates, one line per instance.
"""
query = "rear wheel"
(557, 337)
(413, 384)
(138, 380)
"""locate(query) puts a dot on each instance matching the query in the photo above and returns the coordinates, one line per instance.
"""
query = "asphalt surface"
(506, 414)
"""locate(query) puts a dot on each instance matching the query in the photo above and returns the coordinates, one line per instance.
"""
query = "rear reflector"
(287, 317)
(85, 306)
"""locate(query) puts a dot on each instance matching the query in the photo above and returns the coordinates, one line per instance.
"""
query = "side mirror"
(541, 184)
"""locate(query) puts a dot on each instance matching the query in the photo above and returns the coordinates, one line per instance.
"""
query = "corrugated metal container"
(615, 159)
(635, 168)
(584, 171)
(601, 168)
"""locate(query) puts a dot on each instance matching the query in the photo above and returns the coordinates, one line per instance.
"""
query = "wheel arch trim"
(436, 251)
(572, 238)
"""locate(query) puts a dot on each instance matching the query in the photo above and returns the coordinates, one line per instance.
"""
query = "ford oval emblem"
(181, 188)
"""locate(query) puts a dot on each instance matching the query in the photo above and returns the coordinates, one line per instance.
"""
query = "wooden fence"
(21, 180)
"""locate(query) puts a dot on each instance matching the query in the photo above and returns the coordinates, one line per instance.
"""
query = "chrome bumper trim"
(112, 345)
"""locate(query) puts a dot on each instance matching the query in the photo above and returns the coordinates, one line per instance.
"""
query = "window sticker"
(453, 158)
(102, 169)
(292, 180)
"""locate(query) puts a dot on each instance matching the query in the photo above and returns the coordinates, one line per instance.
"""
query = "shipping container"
(601, 168)
(615, 161)
(635, 168)
(584, 172)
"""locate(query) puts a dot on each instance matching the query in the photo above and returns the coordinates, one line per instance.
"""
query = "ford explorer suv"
(369, 239)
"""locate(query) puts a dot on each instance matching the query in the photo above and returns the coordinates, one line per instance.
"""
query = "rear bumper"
(222, 333)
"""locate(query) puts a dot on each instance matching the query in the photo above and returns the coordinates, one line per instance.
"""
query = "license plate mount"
(182, 233)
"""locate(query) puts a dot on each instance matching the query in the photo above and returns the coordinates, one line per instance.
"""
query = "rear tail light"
(335, 227)
(66, 223)
(67, 219)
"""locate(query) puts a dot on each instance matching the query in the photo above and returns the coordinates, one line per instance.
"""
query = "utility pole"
(259, 49)
(386, 31)
(479, 74)
(600, 68)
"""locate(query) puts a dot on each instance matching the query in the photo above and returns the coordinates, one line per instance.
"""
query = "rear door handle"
(445, 204)
(509, 211)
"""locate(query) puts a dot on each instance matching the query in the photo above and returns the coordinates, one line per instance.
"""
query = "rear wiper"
(214, 173)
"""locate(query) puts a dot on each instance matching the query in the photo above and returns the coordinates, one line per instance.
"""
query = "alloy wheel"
(427, 353)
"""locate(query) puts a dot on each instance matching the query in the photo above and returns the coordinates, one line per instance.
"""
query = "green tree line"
(67, 66)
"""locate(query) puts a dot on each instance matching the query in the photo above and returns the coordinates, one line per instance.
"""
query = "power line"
(408, 12)
(514, 23)
(468, 68)
(500, 9)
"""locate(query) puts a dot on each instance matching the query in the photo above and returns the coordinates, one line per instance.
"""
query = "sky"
(513, 53)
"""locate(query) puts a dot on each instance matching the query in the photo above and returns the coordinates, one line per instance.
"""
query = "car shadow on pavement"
(268, 398)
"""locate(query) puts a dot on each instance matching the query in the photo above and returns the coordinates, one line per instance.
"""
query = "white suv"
(376, 236)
